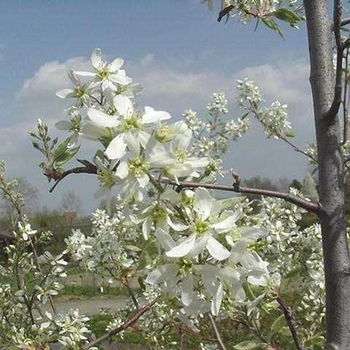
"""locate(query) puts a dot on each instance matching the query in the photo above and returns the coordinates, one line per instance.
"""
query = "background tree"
(71, 202)
(29, 194)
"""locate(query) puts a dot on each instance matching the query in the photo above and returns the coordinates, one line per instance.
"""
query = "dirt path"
(91, 306)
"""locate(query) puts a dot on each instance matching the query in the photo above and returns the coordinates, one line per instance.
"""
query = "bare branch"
(88, 169)
(218, 336)
(300, 202)
(337, 12)
(123, 327)
(292, 325)
(345, 22)
(308, 205)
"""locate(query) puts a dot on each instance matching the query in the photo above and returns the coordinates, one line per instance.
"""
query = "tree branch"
(292, 325)
(87, 169)
(345, 22)
(123, 327)
(218, 336)
(337, 12)
(308, 205)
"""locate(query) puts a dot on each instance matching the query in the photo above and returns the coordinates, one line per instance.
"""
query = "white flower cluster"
(73, 331)
(248, 93)
(102, 250)
(273, 119)
(218, 104)
(212, 138)
(296, 254)
(246, 8)
(275, 122)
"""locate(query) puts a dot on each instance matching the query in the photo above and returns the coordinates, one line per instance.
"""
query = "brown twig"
(292, 325)
(217, 334)
(88, 169)
(300, 202)
(123, 327)
(337, 12)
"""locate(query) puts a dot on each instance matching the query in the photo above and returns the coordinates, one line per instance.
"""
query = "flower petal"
(165, 240)
(187, 290)
(85, 74)
(217, 250)
(73, 77)
(63, 125)
(103, 119)
(117, 148)
(217, 299)
(183, 248)
(160, 274)
(122, 170)
(120, 79)
(96, 58)
(203, 203)
(123, 105)
(152, 116)
(228, 223)
(116, 64)
(65, 93)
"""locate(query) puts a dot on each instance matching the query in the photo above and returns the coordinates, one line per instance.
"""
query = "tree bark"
(331, 176)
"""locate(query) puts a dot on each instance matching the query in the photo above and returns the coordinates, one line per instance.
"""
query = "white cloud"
(169, 89)
(50, 77)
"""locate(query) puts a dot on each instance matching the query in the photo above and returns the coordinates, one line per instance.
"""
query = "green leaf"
(316, 342)
(270, 23)
(278, 324)
(286, 15)
(250, 345)
(294, 273)
(66, 156)
(60, 151)
(32, 134)
(148, 254)
(290, 133)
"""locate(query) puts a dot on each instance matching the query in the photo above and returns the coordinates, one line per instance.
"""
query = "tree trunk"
(331, 177)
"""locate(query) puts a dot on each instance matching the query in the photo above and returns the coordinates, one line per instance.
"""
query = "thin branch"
(345, 100)
(308, 205)
(300, 202)
(337, 12)
(38, 266)
(297, 149)
(292, 325)
(88, 169)
(123, 327)
(225, 12)
(132, 295)
(218, 336)
(344, 22)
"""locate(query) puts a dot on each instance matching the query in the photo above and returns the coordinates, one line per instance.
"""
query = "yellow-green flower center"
(75, 124)
(120, 88)
(186, 200)
(163, 134)
(138, 166)
(131, 123)
(102, 73)
(185, 266)
(79, 91)
(181, 155)
(201, 226)
(158, 213)
(107, 178)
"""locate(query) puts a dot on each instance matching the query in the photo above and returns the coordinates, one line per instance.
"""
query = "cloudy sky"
(175, 48)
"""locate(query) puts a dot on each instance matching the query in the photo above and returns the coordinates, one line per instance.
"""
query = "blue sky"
(175, 48)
